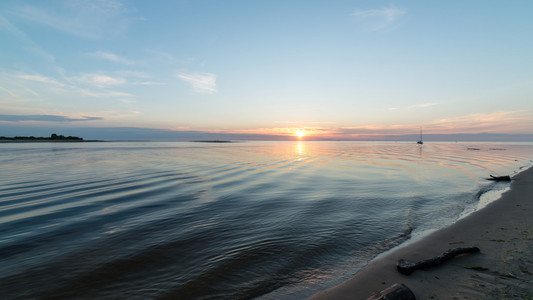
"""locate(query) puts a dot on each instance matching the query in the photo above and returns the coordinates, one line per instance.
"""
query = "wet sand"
(502, 270)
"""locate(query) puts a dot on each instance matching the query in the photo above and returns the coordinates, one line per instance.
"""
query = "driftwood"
(396, 291)
(500, 178)
(406, 268)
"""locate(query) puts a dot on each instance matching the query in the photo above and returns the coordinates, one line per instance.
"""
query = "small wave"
(223, 221)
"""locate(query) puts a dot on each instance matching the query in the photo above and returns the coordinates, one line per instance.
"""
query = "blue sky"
(329, 68)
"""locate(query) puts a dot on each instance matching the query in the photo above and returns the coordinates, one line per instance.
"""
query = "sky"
(318, 69)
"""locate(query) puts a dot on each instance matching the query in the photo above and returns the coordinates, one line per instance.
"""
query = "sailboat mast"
(420, 140)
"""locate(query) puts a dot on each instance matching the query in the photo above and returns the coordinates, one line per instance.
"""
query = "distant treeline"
(53, 137)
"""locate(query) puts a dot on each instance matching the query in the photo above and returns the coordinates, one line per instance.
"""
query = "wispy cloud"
(488, 122)
(99, 80)
(27, 43)
(41, 79)
(113, 58)
(494, 122)
(148, 83)
(32, 92)
(10, 93)
(421, 105)
(113, 115)
(374, 130)
(200, 82)
(138, 78)
(45, 118)
(379, 19)
(88, 85)
(132, 73)
(105, 94)
(169, 59)
(83, 18)
(424, 105)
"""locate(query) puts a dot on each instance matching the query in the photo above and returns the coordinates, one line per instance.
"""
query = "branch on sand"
(500, 178)
(407, 268)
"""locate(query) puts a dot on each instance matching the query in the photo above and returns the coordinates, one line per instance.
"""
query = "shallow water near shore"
(274, 220)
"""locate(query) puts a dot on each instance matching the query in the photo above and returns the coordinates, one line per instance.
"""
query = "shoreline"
(48, 141)
(503, 231)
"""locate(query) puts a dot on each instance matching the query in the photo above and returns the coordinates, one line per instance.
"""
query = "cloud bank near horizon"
(152, 134)
(45, 118)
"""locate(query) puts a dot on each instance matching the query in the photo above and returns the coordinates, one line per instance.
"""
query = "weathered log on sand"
(396, 291)
(500, 178)
(406, 268)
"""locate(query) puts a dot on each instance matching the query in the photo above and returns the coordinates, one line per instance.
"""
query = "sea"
(243, 220)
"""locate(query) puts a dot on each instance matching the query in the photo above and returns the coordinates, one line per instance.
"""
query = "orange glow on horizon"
(498, 122)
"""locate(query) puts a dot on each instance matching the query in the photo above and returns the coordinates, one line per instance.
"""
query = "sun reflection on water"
(300, 149)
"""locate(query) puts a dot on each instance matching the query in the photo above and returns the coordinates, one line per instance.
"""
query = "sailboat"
(420, 140)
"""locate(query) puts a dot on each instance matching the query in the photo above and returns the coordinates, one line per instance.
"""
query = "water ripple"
(236, 221)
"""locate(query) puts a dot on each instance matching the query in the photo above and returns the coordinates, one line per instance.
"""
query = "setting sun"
(300, 133)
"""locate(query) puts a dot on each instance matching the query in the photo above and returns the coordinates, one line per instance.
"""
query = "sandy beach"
(503, 269)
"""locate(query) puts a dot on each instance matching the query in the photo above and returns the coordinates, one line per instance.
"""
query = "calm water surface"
(183, 220)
